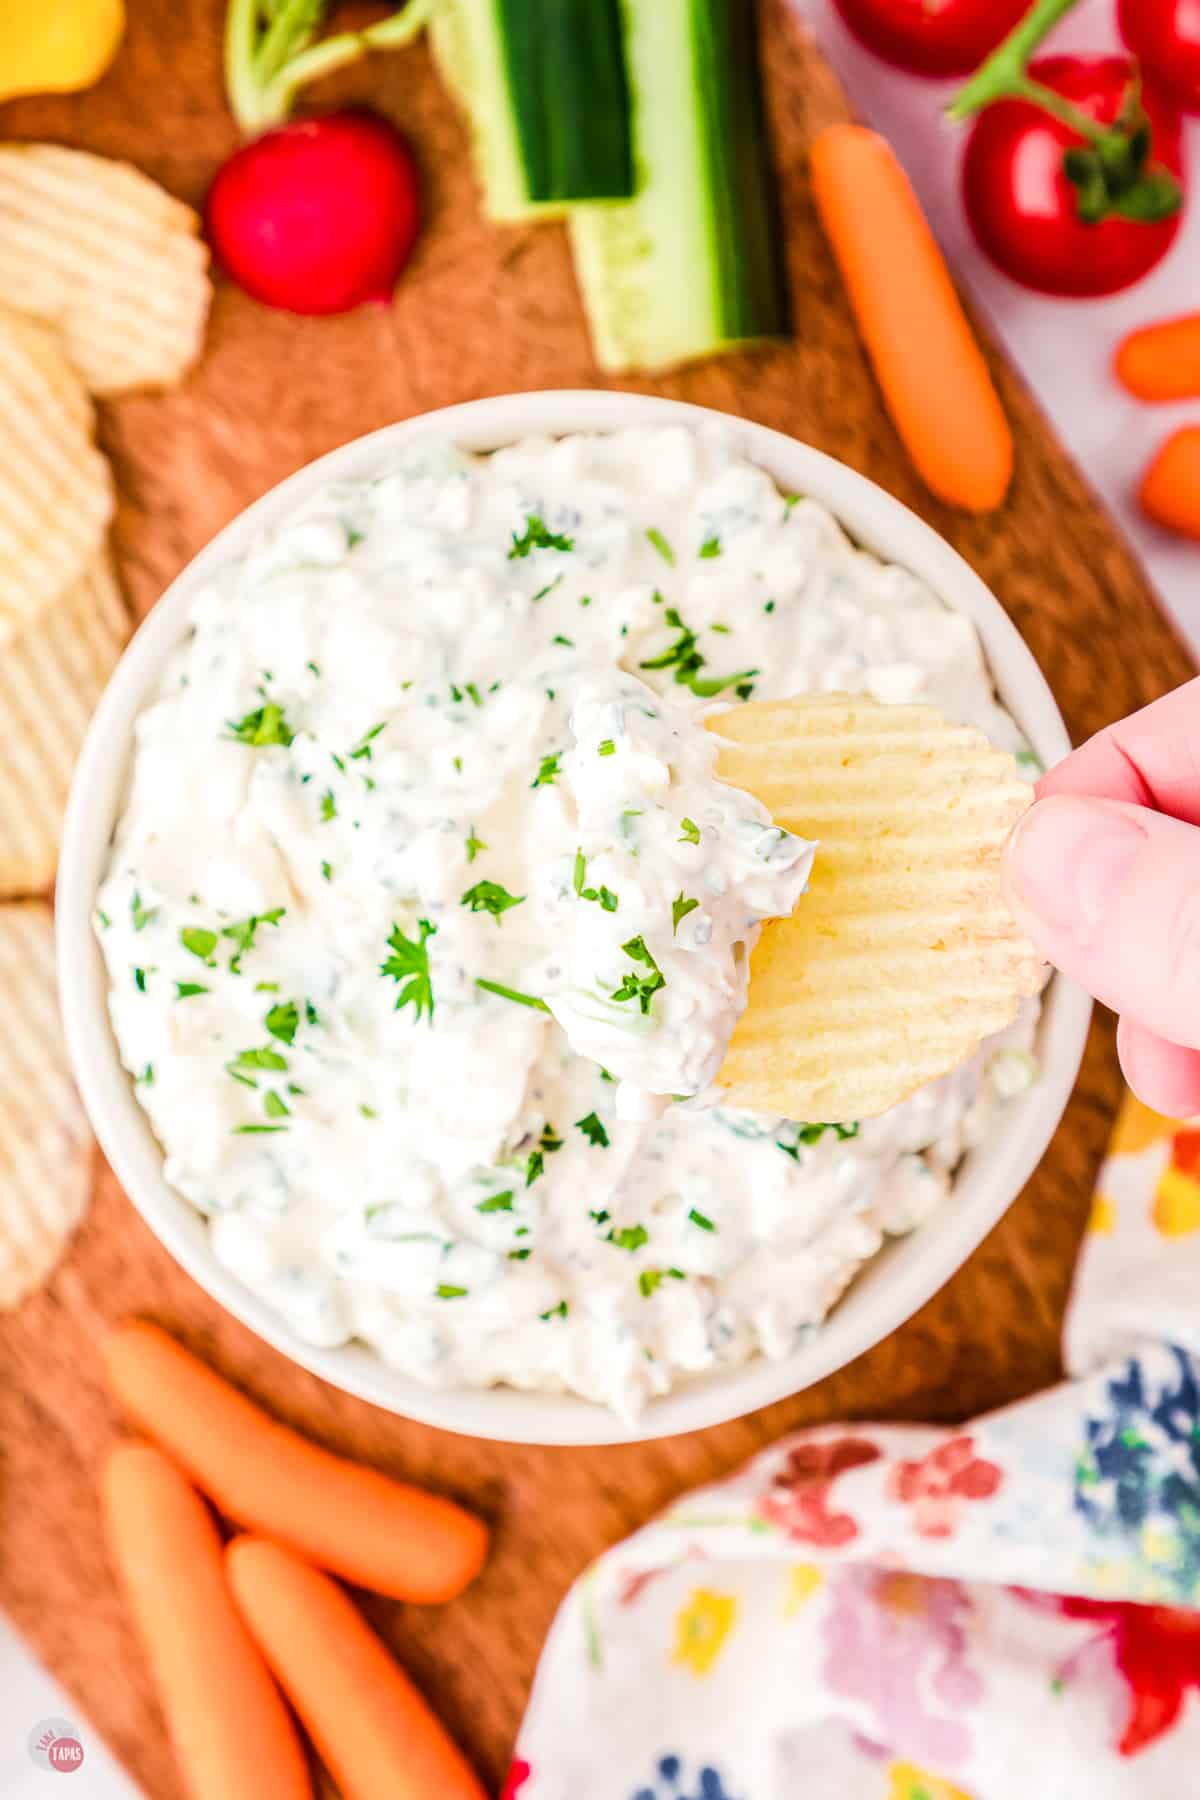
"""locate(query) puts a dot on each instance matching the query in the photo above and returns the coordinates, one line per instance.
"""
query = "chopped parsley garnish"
(258, 1059)
(558, 638)
(547, 770)
(409, 963)
(519, 1255)
(630, 1237)
(555, 1312)
(606, 747)
(475, 696)
(184, 989)
(689, 832)
(811, 1134)
(490, 897)
(593, 1130)
(310, 1013)
(604, 895)
(474, 846)
(710, 547)
(327, 871)
(275, 1106)
(200, 941)
(141, 915)
(585, 599)
(242, 932)
(368, 1112)
(680, 908)
(547, 1144)
(266, 725)
(661, 545)
(650, 1279)
(769, 606)
(256, 1130)
(496, 1203)
(282, 1021)
(548, 589)
(446, 1291)
(507, 993)
(687, 661)
(699, 1218)
(312, 665)
(641, 988)
(536, 537)
(362, 750)
(147, 1075)
(790, 500)
(266, 987)
(328, 806)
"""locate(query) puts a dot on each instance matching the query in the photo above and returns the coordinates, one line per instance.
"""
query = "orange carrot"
(231, 1732)
(1170, 490)
(935, 381)
(370, 1725)
(377, 1532)
(1162, 362)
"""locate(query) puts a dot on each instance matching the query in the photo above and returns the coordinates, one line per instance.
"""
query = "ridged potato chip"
(55, 488)
(903, 955)
(51, 676)
(45, 1145)
(109, 258)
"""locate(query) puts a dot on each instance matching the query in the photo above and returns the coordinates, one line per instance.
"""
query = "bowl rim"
(905, 1273)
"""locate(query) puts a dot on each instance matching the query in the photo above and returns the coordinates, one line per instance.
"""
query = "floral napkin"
(895, 1613)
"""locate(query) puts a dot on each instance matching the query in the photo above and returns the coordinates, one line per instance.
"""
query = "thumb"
(1110, 893)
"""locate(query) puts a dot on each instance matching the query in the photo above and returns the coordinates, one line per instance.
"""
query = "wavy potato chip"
(106, 256)
(51, 676)
(45, 1144)
(55, 488)
(903, 955)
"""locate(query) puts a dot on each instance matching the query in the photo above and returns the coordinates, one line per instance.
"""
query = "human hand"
(1103, 872)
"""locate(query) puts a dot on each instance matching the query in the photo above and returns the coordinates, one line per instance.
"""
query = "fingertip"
(1164, 1076)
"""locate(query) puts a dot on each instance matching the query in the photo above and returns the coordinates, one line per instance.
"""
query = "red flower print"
(1157, 1650)
(518, 1775)
(798, 1499)
(939, 1486)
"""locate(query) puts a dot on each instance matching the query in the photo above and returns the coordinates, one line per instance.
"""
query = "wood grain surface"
(480, 311)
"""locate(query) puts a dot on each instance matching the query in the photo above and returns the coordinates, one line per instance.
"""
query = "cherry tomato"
(932, 37)
(1024, 211)
(1165, 34)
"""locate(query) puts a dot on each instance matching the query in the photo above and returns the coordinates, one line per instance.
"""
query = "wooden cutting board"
(480, 311)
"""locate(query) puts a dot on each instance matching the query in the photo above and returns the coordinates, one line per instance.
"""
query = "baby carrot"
(1170, 490)
(370, 1726)
(932, 372)
(1162, 362)
(230, 1730)
(377, 1532)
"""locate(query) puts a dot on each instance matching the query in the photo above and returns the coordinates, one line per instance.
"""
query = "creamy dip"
(427, 921)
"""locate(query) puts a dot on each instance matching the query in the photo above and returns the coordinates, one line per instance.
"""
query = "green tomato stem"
(1003, 76)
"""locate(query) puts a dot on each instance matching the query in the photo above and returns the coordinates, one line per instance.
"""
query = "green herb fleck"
(140, 914)
(709, 548)
(548, 771)
(536, 537)
(490, 897)
(769, 607)
(362, 751)
(146, 1078)
(630, 1237)
(266, 725)
(328, 806)
(519, 1255)
(185, 989)
(310, 1013)
(496, 1203)
(680, 908)
(266, 987)
(312, 665)
(548, 589)
(555, 1312)
(593, 1130)
(473, 691)
(256, 1130)
(275, 1106)
(242, 932)
(558, 638)
(700, 1219)
(507, 993)
(409, 963)
(661, 545)
(368, 1112)
(446, 1291)
(474, 846)
(282, 1021)
(607, 747)
(689, 832)
(200, 941)
(641, 988)
(327, 871)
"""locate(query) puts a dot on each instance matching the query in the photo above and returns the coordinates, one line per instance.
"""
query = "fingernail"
(1066, 860)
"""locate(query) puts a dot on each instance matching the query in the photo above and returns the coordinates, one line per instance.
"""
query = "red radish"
(317, 216)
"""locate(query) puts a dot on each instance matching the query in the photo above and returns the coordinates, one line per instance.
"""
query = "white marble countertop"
(1064, 349)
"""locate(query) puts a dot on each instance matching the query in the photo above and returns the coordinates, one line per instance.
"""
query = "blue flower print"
(672, 1782)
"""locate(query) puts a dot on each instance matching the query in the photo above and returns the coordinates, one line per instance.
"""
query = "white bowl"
(893, 1286)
